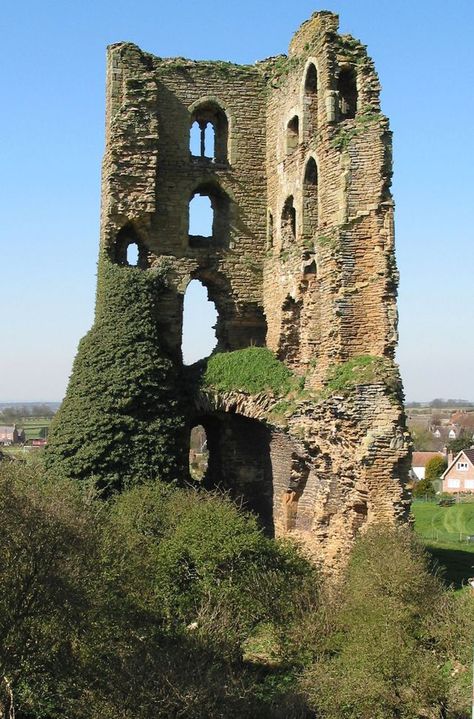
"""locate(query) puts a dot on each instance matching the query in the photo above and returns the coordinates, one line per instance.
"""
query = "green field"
(445, 531)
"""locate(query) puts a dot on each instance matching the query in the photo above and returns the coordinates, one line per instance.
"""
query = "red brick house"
(459, 477)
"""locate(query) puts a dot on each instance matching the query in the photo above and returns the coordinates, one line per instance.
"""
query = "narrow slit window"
(270, 231)
(292, 134)
(288, 223)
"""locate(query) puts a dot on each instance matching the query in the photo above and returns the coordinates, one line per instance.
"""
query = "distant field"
(445, 531)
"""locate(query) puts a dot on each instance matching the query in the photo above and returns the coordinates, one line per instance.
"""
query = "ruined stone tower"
(301, 260)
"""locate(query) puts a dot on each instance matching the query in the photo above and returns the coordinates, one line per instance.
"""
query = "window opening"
(311, 172)
(209, 216)
(195, 140)
(288, 223)
(132, 254)
(199, 319)
(311, 81)
(209, 133)
(292, 134)
(347, 88)
(201, 216)
(198, 453)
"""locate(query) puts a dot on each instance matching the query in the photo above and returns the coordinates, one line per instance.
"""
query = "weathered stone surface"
(301, 260)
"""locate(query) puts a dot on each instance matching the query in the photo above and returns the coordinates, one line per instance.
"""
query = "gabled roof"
(468, 453)
(419, 459)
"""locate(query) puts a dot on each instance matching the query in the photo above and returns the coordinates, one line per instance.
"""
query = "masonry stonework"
(301, 260)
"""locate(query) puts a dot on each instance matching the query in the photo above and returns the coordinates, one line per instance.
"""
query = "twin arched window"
(209, 132)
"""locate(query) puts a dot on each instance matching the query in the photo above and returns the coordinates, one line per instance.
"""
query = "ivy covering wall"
(121, 416)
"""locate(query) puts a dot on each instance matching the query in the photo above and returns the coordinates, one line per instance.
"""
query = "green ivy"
(121, 417)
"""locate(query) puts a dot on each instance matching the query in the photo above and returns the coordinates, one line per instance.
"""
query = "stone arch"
(348, 94)
(126, 238)
(208, 111)
(259, 464)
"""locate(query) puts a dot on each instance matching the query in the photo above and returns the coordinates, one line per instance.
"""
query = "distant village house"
(11, 435)
(459, 476)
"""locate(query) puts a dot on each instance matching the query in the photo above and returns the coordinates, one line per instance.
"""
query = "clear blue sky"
(52, 131)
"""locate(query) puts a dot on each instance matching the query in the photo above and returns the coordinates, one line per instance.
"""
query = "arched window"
(311, 80)
(292, 134)
(209, 210)
(209, 132)
(288, 223)
(128, 249)
(310, 198)
(347, 88)
(311, 172)
(199, 318)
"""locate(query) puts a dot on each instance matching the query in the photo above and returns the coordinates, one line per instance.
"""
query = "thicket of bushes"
(158, 602)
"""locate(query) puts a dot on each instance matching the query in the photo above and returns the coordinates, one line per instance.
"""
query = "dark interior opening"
(239, 463)
(311, 80)
(292, 134)
(288, 223)
(347, 88)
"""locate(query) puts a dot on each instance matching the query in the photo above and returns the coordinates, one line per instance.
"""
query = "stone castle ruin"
(295, 157)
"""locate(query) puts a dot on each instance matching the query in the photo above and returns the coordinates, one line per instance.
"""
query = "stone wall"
(301, 259)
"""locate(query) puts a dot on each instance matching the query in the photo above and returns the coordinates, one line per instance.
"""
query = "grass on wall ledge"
(251, 370)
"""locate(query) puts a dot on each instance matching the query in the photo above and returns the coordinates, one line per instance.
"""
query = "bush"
(435, 468)
(423, 488)
(378, 659)
(138, 607)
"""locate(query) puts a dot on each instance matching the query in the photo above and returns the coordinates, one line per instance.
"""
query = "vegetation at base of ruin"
(251, 370)
(363, 369)
(120, 418)
(390, 652)
(168, 602)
